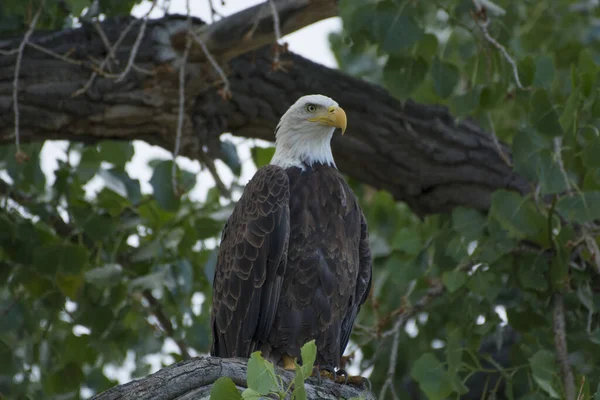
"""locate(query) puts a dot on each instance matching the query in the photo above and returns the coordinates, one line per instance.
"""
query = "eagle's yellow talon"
(289, 363)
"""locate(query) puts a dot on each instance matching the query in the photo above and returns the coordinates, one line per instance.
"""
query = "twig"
(213, 11)
(180, 117)
(559, 161)
(225, 91)
(90, 81)
(105, 41)
(502, 154)
(210, 165)
(17, 72)
(560, 342)
(483, 24)
(421, 304)
(9, 52)
(277, 29)
(136, 44)
(165, 323)
(592, 246)
(54, 54)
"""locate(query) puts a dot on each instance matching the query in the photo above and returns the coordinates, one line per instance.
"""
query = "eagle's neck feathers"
(300, 148)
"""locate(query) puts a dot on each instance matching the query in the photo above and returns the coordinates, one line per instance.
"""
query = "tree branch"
(560, 342)
(253, 27)
(193, 379)
(165, 323)
(418, 153)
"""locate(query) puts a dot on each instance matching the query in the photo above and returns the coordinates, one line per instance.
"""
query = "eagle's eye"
(311, 108)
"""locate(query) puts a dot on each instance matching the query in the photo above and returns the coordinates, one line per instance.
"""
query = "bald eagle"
(294, 262)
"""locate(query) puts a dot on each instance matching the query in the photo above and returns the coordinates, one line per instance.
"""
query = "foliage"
(97, 271)
(436, 52)
(263, 382)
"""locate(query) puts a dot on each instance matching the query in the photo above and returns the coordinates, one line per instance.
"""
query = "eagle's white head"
(303, 135)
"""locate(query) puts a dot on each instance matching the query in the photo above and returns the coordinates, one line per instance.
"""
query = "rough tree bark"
(193, 379)
(416, 152)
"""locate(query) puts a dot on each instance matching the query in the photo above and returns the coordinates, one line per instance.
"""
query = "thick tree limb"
(253, 27)
(416, 152)
(193, 379)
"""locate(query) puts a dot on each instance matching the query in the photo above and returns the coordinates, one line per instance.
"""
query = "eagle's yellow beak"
(334, 116)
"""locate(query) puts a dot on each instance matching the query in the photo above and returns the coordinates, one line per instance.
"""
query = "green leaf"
(454, 280)
(431, 377)
(408, 241)
(251, 394)
(491, 95)
(580, 207)
(542, 367)
(591, 150)
(207, 228)
(88, 164)
(468, 222)
(151, 281)
(224, 389)
(453, 348)
(162, 186)
(526, 68)
(261, 374)
(230, 157)
(427, 47)
(402, 74)
(67, 258)
(585, 295)
(519, 216)
(445, 77)
(400, 34)
(116, 152)
(108, 275)
(535, 160)
(544, 71)
(308, 353)
(112, 202)
(543, 115)
(100, 227)
(122, 183)
(262, 155)
(589, 72)
(65, 380)
(69, 285)
(568, 119)
(299, 392)
(532, 272)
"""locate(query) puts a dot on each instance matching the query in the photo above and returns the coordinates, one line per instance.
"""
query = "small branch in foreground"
(501, 153)
(559, 161)
(105, 41)
(136, 44)
(560, 342)
(483, 23)
(181, 115)
(165, 323)
(210, 165)
(90, 81)
(436, 291)
(225, 92)
(277, 30)
(19, 155)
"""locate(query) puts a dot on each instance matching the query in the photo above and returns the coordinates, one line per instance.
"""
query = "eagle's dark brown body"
(294, 265)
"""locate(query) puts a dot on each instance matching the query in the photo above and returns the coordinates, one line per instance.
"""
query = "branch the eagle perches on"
(193, 379)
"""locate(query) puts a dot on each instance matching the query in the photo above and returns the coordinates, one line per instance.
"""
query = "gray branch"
(193, 379)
